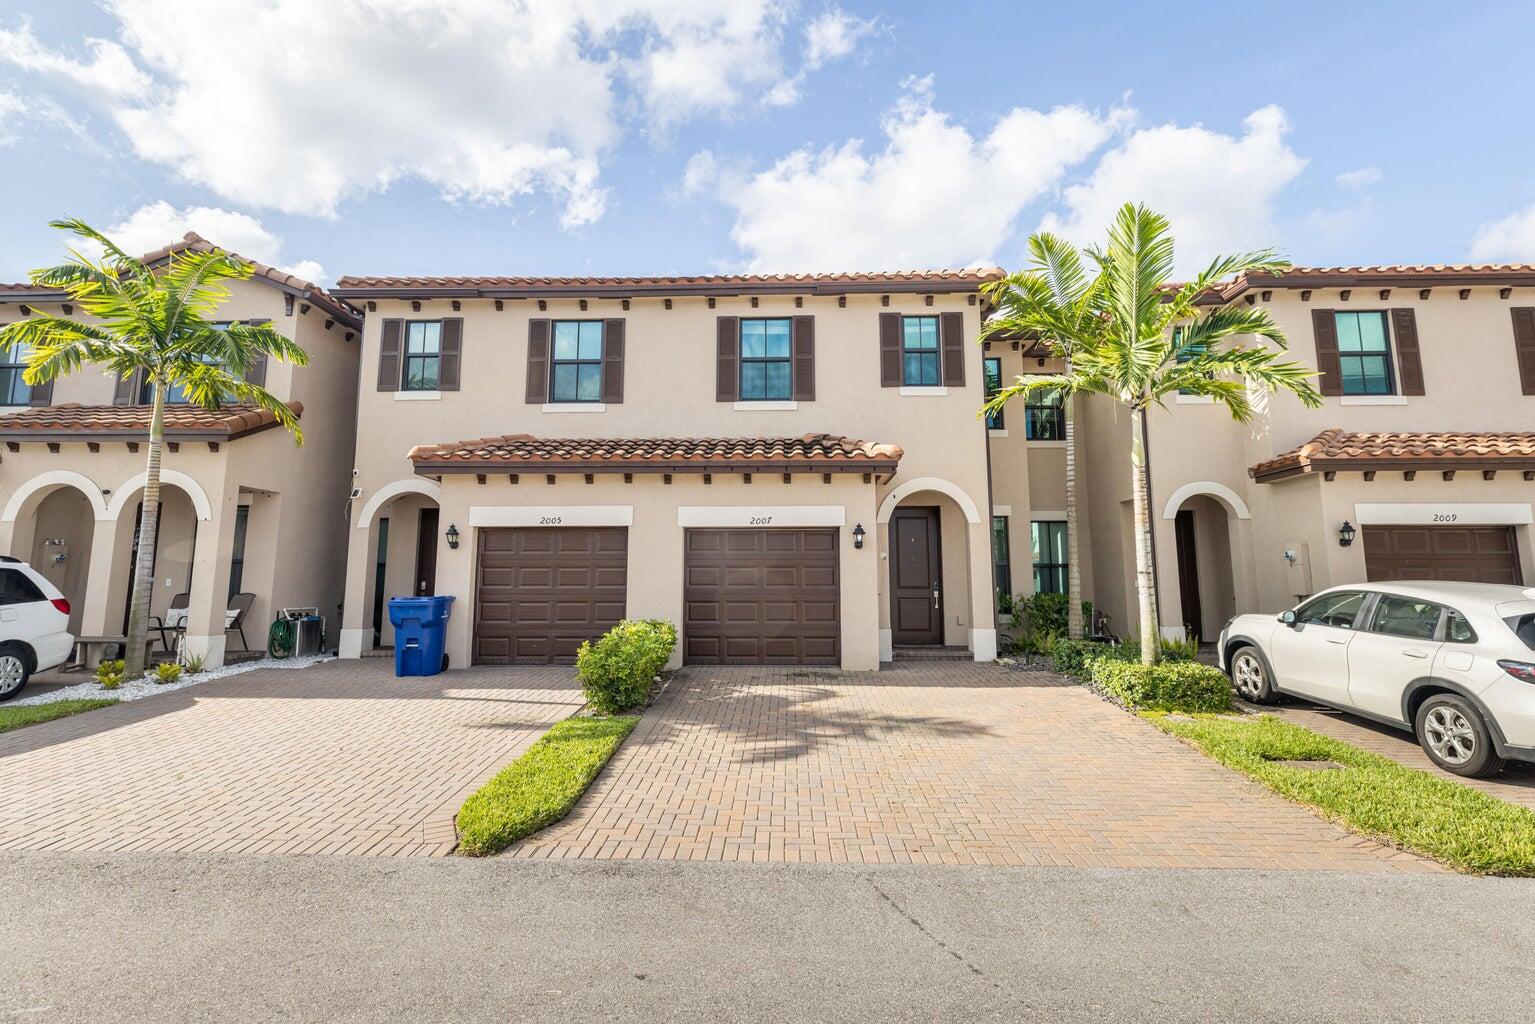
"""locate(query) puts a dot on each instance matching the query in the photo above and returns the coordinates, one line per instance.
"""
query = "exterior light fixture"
(452, 536)
(858, 535)
(1345, 534)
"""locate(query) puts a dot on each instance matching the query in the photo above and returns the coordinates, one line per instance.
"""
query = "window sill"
(1194, 400)
(575, 407)
(997, 431)
(767, 405)
(1047, 444)
(417, 396)
(930, 391)
(1372, 400)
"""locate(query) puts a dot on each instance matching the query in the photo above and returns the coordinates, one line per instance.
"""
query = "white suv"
(34, 625)
(1454, 663)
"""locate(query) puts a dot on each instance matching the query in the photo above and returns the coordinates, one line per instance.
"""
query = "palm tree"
(152, 321)
(1119, 328)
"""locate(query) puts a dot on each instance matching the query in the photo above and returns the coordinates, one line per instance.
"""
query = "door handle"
(1337, 640)
(935, 597)
(1413, 652)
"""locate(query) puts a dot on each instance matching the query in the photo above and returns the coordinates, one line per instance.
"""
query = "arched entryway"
(52, 521)
(936, 587)
(403, 529)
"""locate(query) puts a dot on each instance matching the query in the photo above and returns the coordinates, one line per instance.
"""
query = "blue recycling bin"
(420, 634)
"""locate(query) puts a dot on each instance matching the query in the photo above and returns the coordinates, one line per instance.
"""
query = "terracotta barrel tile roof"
(1336, 449)
(1420, 275)
(716, 284)
(181, 421)
(812, 452)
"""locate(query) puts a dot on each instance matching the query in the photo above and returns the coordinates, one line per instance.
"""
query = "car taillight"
(61, 604)
(1521, 670)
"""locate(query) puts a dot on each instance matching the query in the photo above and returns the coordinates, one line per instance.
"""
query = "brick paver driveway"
(338, 758)
(945, 762)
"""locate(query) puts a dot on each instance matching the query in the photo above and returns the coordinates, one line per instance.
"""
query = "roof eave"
(616, 291)
(434, 467)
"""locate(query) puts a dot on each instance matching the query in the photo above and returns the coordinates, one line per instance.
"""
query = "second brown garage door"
(1475, 554)
(761, 597)
(543, 591)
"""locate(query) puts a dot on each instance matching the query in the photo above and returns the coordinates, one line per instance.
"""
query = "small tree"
(1119, 329)
(152, 322)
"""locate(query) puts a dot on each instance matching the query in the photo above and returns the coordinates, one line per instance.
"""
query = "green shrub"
(1186, 649)
(1044, 613)
(618, 670)
(1075, 657)
(167, 672)
(1177, 686)
(110, 674)
(193, 663)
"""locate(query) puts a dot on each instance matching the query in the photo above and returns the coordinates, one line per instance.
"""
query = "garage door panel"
(761, 597)
(1477, 554)
(780, 576)
(542, 591)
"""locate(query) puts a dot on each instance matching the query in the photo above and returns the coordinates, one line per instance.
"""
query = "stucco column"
(983, 618)
(210, 584)
(863, 638)
(879, 538)
(455, 569)
(98, 581)
(356, 634)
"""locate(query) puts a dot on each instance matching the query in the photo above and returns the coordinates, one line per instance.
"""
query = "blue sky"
(684, 136)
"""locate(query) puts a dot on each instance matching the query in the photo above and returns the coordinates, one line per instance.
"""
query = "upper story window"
(14, 390)
(423, 355)
(765, 361)
(575, 371)
(1364, 353)
(1183, 353)
(919, 351)
(175, 394)
(993, 372)
(1044, 416)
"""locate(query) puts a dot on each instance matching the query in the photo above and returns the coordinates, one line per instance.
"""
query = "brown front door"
(761, 597)
(426, 553)
(916, 577)
(1188, 572)
(541, 591)
(1474, 554)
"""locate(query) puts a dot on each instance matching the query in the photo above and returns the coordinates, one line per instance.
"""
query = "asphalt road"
(143, 938)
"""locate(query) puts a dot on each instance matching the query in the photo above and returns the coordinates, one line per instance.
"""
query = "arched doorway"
(937, 582)
(63, 526)
(396, 540)
(1205, 542)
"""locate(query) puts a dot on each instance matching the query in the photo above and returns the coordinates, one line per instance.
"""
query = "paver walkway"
(939, 762)
(338, 758)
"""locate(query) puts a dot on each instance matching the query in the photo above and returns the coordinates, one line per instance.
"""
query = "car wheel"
(1249, 676)
(15, 670)
(1455, 738)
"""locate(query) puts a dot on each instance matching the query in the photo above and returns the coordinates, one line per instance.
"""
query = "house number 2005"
(760, 520)
(1446, 517)
(549, 520)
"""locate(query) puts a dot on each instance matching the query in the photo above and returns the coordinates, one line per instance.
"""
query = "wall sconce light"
(858, 535)
(1291, 557)
(1346, 534)
(452, 537)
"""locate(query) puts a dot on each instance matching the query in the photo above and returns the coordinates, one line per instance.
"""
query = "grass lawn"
(15, 718)
(1428, 814)
(541, 786)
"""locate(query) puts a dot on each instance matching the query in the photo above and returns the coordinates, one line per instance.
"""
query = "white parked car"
(1453, 663)
(34, 625)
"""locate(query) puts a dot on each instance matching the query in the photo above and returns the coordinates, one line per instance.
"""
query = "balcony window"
(993, 372)
(1044, 416)
(1048, 543)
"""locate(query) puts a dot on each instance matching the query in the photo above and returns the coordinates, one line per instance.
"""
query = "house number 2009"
(549, 520)
(1446, 517)
(760, 520)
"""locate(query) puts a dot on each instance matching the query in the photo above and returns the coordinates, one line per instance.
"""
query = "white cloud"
(1217, 190)
(11, 111)
(1511, 239)
(832, 36)
(935, 195)
(160, 224)
(298, 106)
(1359, 178)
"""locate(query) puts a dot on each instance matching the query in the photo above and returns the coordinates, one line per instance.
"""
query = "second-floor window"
(919, 351)
(575, 372)
(765, 360)
(423, 355)
(14, 390)
(1044, 416)
(993, 371)
(1183, 353)
(1364, 353)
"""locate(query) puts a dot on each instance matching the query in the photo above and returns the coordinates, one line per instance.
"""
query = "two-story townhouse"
(1420, 463)
(243, 510)
(792, 469)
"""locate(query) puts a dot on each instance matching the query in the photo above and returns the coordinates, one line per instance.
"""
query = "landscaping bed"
(14, 717)
(90, 687)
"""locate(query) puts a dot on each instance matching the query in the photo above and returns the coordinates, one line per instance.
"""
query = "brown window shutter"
(538, 362)
(1409, 360)
(128, 388)
(450, 349)
(727, 348)
(802, 345)
(613, 361)
(951, 338)
(890, 350)
(1524, 346)
(389, 341)
(256, 372)
(1325, 327)
(42, 394)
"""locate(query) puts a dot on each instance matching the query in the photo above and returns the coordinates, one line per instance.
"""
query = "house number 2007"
(1446, 517)
(760, 520)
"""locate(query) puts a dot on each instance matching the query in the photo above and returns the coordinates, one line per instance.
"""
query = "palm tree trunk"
(1073, 562)
(149, 528)
(1145, 579)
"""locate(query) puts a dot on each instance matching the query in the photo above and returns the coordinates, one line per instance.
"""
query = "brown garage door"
(761, 597)
(1478, 554)
(543, 591)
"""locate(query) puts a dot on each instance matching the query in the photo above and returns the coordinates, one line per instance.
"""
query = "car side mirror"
(1288, 618)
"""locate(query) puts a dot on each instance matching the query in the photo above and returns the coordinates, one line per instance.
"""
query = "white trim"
(551, 515)
(983, 644)
(575, 407)
(726, 516)
(390, 491)
(1046, 517)
(919, 391)
(1231, 499)
(997, 433)
(417, 396)
(767, 405)
(1001, 510)
(1046, 444)
(928, 483)
(349, 645)
(1194, 400)
(887, 645)
(1372, 399)
(56, 478)
(175, 477)
(1435, 513)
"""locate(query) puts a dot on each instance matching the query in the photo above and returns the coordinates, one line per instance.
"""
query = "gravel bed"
(147, 687)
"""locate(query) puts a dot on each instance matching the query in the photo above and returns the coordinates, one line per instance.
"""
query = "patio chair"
(240, 604)
(157, 623)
